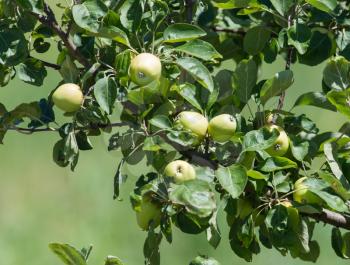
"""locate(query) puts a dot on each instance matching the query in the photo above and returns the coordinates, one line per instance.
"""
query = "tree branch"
(332, 218)
(48, 129)
(50, 21)
(231, 31)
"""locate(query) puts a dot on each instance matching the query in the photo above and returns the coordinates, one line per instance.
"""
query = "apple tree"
(214, 140)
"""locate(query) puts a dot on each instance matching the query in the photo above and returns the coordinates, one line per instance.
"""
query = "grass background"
(42, 203)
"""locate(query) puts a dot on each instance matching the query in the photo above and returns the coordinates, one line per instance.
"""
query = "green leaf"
(111, 260)
(244, 79)
(161, 121)
(276, 163)
(320, 48)
(195, 196)
(299, 36)
(68, 254)
(276, 85)
(88, 15)
(188, 92)
(233, 179)
(66, 151)
(122, 63)
(131, 15)
(330, 151)
(204, 260)
(13, 47)
(213, 231)
(151, 249)
(258, 140)
(118, 179)
(256, 39)
(337, 186)
(282, 6)
(317, 99)
(200, 49)
(299, 148)
(155, 143)
(36, 6)
(114, 33)
(197, 70)
(325, 5)
(231, 4)
(32, 71)
(341, 100)
(181, 32)
(256, 174)
(105, 92)
(337, 242)
(69, 70)
(321, 189)
(336, 74)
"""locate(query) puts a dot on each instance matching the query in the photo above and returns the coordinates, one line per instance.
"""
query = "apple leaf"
(197, 70)
(68, 254)
(233, 179)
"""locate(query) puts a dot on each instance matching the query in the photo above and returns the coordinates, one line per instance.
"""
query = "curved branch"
(50, 21)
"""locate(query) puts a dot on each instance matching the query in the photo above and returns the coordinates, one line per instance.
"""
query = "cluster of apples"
(220, 128)
(146, 68)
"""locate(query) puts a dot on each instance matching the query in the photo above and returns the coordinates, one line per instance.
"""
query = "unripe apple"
(194, 122)
(281, 145)
(145, 68)
(222, 127)
(180, 171)
(68, 97)
(303, 195)
(150, 211)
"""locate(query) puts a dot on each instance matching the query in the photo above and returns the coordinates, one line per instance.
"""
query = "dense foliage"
(261, 168)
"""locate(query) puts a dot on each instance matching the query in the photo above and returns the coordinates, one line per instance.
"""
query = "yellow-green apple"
(222, 127)
(145, 68)
(180, 171)
(68, 97)
(281, 145)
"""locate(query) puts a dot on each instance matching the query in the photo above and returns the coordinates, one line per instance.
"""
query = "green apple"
(222, 127)
(150, 211)
(180, 171)
(303, 195)
(194, 122)
(68, 97)
(281, 145)
(145, 68)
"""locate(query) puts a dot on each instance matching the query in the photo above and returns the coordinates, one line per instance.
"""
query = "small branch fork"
(50, 21)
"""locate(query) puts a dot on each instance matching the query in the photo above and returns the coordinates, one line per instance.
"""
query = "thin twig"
(48, 64)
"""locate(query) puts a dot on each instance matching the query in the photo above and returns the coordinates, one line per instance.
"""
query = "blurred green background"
(42, 203)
